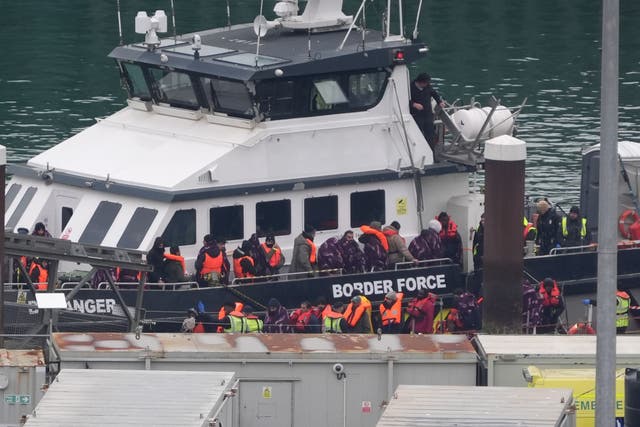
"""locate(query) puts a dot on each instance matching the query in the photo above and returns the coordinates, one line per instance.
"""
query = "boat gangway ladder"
(56, 250)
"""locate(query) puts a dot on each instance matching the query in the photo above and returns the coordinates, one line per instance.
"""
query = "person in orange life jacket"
(304, 319)
(224, 311)
(334, 321)
(376, 246)
(358, 315)
(226, 266)
(321, 308)
(304, 254)
(233, 320)
(243, 263)
(421, 311)
(391, 313)
(552, 304)
(39, 274)
(209, 262)
(398, 251)
(273, 255)
(573, 230)
(254, 324)
(174, 267)
(451, 240)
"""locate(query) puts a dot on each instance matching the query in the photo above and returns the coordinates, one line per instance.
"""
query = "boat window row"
(277, 98)
(274, 217)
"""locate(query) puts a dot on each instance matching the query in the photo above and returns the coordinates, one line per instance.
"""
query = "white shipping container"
(87, 397)
(437, 406)
(503, 357)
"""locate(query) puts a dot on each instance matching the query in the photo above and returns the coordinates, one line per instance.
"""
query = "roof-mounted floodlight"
(150, 26)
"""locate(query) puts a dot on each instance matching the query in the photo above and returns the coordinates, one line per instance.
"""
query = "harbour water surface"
(56, 78)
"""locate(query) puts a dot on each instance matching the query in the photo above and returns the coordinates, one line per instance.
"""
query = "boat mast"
(608, 202)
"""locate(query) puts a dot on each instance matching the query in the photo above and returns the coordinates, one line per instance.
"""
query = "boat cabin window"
(227, 223)
(174, 88)
(321, 212)
(136, 82)
(22, 207)
(65, 216)
(181, 229)
(365, 89)
(273, 217)
(137, 228)
(100, 223)
(12, 192)
(229, 97)
(320, 94)
(367, 206)
(327, 95)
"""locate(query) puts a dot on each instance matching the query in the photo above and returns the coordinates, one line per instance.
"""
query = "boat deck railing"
(573, 249)
(286, 276)
(424, 263)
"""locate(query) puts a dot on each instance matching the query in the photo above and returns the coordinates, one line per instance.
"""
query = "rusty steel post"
(503, 242)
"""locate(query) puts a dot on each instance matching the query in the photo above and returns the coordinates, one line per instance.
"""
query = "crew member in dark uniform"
(420, 106)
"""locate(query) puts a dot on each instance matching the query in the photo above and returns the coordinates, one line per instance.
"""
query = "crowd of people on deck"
(421, 315)
(379, 248)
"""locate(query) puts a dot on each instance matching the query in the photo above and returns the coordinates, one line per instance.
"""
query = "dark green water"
(55, 77)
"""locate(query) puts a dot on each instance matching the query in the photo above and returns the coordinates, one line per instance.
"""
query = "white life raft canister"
(470, 121)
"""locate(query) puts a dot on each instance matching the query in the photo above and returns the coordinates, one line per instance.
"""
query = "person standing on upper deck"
(304, 252)
(398, 251)
(420, 106)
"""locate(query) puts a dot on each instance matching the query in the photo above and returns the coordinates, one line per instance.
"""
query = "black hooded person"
(155, 258)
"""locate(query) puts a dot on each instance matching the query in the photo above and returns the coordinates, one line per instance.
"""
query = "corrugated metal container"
(438, 406)
(503, 357)
(86, 397)
(290, 379)
(22, 375)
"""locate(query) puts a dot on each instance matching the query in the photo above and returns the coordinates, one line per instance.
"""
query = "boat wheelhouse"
(243, 130)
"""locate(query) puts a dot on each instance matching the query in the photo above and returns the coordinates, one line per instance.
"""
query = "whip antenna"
(119, 23)
(229, 14)
(173, 20)
(260, 24)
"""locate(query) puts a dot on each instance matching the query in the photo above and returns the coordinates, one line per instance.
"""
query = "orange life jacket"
(393, 314)
(312, 253)
(451, 230)
(222, 314)
(379, 234)
(119, 270)
(274, 261)
(211, 264)
(43, 276)
(553, 299)
(180, 259)
(352, 320)
(237, 267)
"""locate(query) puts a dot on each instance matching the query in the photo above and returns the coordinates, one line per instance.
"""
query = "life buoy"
(623, 224)
(581, 329)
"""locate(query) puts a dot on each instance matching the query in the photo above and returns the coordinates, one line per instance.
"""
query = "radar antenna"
(150, 26)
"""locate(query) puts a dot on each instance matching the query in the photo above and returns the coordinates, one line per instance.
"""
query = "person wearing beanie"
(277, 318)
(451, 239)
(573, 230)
(391, 313)
(420, 106)
(304, 256)
(398, 251)
(548, 225)
(244, 265)
(427, 245)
